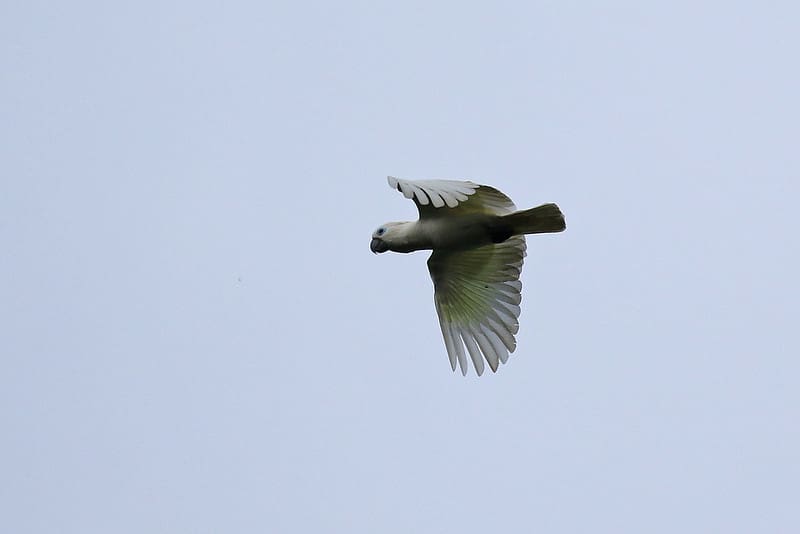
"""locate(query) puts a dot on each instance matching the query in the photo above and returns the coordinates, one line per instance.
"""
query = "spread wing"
(477, 295)
(435, 198)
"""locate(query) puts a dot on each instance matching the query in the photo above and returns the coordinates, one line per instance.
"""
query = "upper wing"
(477, 295)
(466, 197)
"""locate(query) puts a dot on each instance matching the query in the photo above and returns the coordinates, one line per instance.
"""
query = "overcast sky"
(195, 337)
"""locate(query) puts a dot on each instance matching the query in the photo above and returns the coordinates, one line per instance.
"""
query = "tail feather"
(543, 219)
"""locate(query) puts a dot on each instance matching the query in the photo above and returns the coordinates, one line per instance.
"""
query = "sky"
(196, 338)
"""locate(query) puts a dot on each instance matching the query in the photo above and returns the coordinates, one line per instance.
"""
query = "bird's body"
(455, 233)
(477, 238)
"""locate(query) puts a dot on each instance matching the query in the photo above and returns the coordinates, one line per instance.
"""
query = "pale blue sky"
(196, 338)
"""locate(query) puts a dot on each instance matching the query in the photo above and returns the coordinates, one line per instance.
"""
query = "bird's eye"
(381, 231)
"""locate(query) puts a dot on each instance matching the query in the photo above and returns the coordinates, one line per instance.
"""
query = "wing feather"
(449, 343)
(477, 296)
(419, 194)
(436, 198)
(468, 197)
(459, 350)
(497, 344)
(503, 334)
(486, 347)
(474, 353)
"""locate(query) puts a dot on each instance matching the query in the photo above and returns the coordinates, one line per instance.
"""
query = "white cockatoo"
(478, 241)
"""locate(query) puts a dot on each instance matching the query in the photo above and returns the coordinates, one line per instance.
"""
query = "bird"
(477, 239)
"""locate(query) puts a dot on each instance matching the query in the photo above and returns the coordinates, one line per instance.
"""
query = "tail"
(544, 219)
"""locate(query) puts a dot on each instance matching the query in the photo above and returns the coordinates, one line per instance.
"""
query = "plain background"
(195, 337)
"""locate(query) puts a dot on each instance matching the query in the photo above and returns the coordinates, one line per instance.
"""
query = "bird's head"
(388, 236)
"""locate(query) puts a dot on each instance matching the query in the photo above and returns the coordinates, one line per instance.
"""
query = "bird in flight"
(478, 241)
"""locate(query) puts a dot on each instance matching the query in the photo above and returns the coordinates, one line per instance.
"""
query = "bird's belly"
(460, 233)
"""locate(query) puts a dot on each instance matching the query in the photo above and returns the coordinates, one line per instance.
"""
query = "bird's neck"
(411, 236)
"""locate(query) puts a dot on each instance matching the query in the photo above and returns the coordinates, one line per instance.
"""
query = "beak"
(378, 245)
